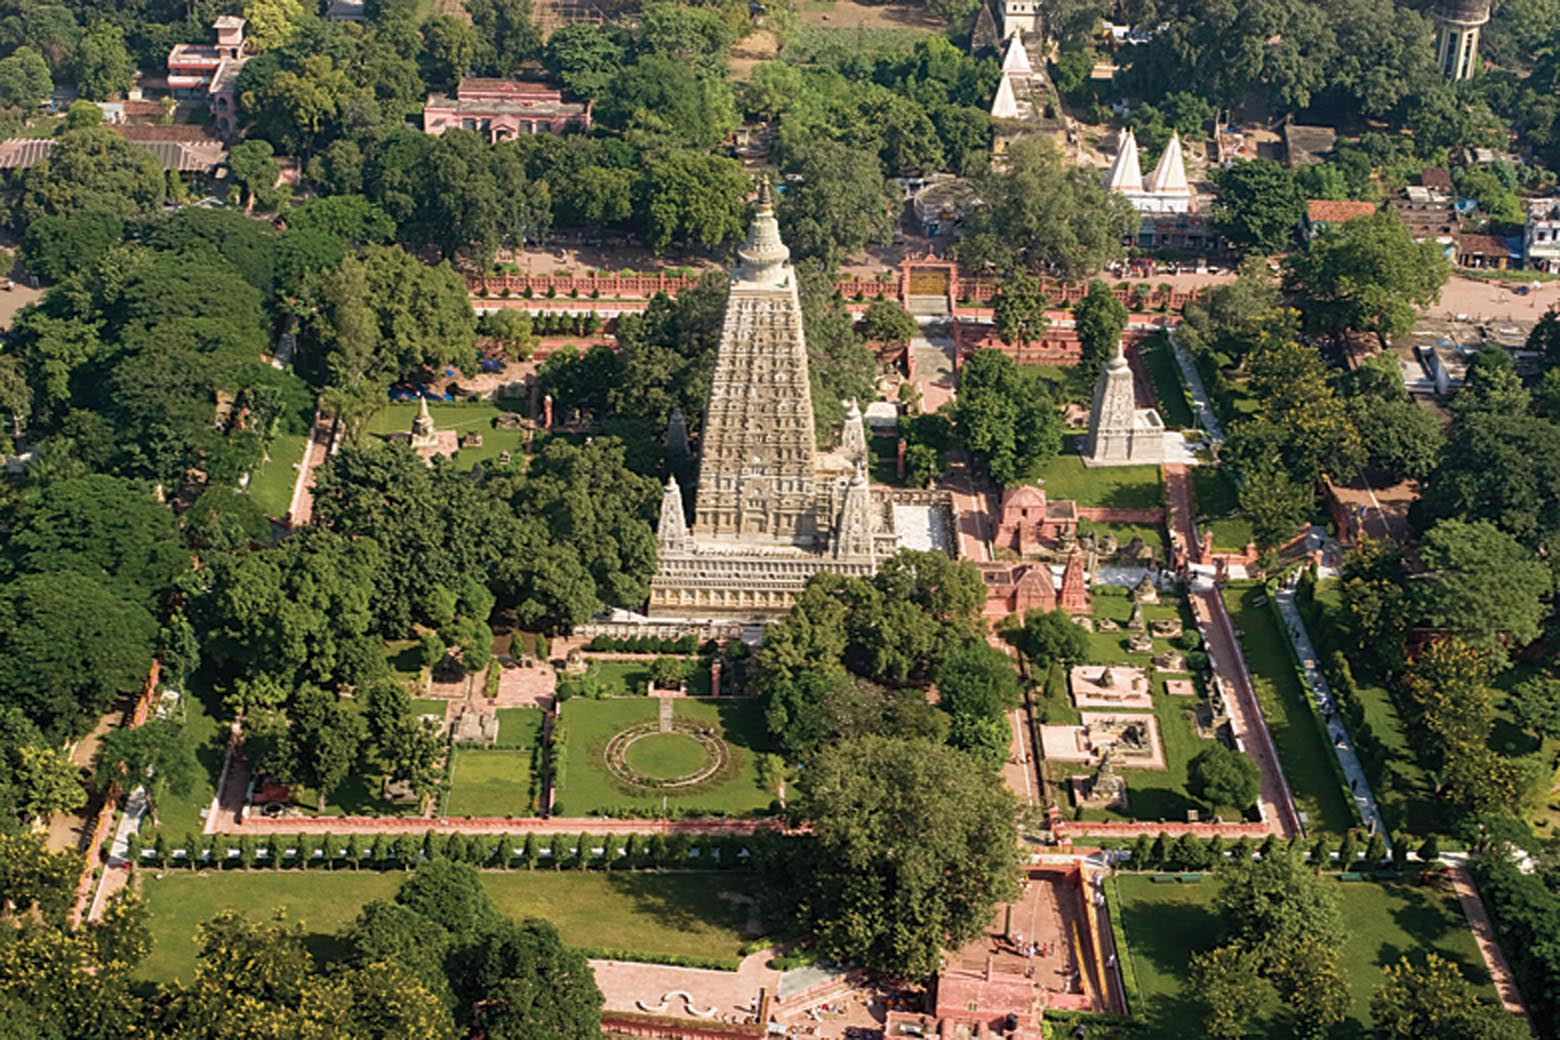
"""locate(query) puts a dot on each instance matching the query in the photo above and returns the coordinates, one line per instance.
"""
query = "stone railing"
(981, 290)
(577, 285)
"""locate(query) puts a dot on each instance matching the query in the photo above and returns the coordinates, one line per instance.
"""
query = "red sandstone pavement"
(1183, 507)
(1484, 934)
(1275, 800)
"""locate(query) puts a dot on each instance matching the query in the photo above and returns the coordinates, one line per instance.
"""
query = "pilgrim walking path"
(1484, 934)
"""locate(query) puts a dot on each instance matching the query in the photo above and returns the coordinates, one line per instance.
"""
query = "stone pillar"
(899, 459)
(547, 412)
(715, 678)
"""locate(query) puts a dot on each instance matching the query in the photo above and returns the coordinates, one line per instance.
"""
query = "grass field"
(489, 783)
(1166, 924)
(179, 814)
(1125, 487)
(463, 418)
(687, 914)
(1218, 508)
(609, 678)
(1164, 376)
(520, 728)
(271, 484)
(1403, 789)
(1305, 755)
(665, 756)
(585, 787)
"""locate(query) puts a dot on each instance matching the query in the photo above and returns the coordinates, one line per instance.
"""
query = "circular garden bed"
(646, 758)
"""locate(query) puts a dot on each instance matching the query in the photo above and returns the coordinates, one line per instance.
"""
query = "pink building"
(210, 71)
(503, 109)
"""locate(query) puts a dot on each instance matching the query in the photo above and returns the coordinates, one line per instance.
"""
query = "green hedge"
(1124, 961)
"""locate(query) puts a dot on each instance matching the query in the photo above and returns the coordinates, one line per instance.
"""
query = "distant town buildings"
(210, 71)
(1457, 25)
(1324, 214)
(504, 109)
(1541, 235)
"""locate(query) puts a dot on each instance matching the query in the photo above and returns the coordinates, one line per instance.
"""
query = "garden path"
(1484, 934)
(1338, 735)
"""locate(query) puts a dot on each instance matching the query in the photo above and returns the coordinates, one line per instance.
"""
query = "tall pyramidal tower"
(770, 510)
(757, 459)
(1120, 433)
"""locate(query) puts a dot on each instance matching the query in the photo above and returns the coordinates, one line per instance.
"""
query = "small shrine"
(1106, 789)
(428, 440)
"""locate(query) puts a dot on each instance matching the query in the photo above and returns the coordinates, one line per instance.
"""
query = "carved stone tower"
(1120, 433)
(756, 454)
(853, 530)
(424, 435)
(671, 534)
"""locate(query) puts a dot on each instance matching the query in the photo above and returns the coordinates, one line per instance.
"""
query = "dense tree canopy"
(1006, 417)
(913, 848)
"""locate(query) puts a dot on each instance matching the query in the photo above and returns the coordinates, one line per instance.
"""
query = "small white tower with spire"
(424, 435)
(671, 534)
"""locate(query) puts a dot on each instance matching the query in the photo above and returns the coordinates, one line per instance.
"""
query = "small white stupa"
(1121, 433)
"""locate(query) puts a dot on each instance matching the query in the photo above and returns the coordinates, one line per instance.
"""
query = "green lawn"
(1164, 376)
(687, 914)
(585, 787)
(1126, 487)
(520, 728)
(1306, 757)
(665, 756)
(271, 484)
(435, 706)
(1166, 924)
(1218, 508)
(179, 814)
(1403, 789)
(462, 417)
(489, 783)
(609, 678)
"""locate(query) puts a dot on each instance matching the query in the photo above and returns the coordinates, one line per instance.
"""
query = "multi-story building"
(1541, 236)
(210, 71)
(502, 109)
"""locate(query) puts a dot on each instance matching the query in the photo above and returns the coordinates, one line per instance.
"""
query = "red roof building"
(1321, 214)
(210, 71)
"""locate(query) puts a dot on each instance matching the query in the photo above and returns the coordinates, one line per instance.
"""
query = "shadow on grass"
(682, 901)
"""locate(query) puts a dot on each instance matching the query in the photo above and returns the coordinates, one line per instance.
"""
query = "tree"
(1099, 319)
(1220, 775)
(58, 245)
(69, 648)
(1275, 505)
(691, 197)
(1366, 275)
(449, 50)
(1536, 704)
(91, 168)
(1491, 385)
(271, 23)
(584, 58)
(102, 64)
(1006, 417)
(25, 82)
(36, 779)
(840, 205)
(1432, 998)
(888, 323)
(669, 100)
(912, 850)
(522, 983)
(1482, 584)
(158, 756)
(321, 745)
(254, 168)
(1500, 468)
(1018, 309)
(1050, 637)
(1225, 984)
(507, 34)
(1040, 212)
(1259, 205)
(978, 681)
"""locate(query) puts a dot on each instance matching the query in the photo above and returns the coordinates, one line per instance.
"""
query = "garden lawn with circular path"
(665, 756)
(586, 785)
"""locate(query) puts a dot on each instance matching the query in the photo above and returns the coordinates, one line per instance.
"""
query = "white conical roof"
(1169, 176)
(1016, 59)
(1125, 173)
(1006, 104)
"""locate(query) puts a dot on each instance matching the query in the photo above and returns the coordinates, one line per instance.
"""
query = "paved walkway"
(301, 510)
(1484, 934)
(1183, 508)
(116, 868)
(1364, 800)
(1275, 800)
(344, 825)
(1194, 386)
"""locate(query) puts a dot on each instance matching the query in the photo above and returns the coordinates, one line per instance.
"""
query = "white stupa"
(1121, 433)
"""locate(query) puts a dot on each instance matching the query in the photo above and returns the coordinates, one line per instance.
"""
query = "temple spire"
(671, 534)
(764, 258)
(1126, 173)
